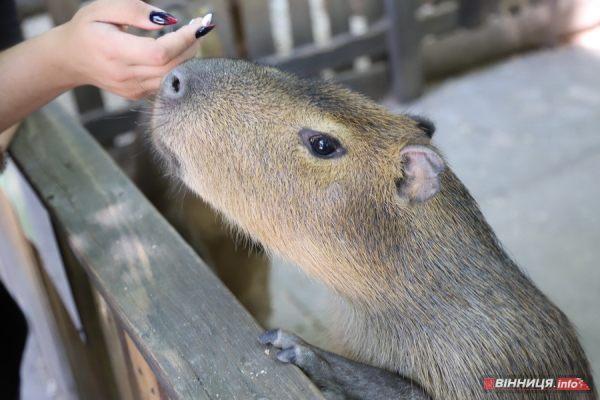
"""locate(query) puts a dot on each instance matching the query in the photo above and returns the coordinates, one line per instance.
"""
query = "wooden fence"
(157, 323)
(408, 41)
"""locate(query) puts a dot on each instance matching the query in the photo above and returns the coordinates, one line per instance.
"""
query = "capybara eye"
(321, 144)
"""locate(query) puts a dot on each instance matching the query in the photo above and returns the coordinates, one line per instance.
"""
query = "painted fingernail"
(192, 21)
(162, 18)
(207, 19)
(204, 30)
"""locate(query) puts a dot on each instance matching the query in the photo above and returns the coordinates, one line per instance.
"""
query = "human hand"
(94, 47)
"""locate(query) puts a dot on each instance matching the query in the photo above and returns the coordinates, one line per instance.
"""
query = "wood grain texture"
(115, 344)
(339, 14)
(21, 276)
(344, 48)
(404, 47)
(341, 50)
(88, 355)
(256, 26)
(223, 18)
(193, 334)
(301, 25)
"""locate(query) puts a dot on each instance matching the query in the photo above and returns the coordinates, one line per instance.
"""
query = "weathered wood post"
(404, 39)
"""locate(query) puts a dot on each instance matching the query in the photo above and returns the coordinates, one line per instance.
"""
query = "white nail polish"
(192, 21)
(207, 19)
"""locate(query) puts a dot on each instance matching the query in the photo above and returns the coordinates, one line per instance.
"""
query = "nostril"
(175, 83)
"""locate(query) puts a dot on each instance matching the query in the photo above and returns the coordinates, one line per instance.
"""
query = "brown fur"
(425, 289)
(241, 266)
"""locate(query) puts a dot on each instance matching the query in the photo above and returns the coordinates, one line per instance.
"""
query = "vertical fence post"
(404, 49)
(471, 13)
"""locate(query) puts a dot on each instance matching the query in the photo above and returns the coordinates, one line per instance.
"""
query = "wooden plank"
(339, 16)
(114, 343)
(503, 36)
(105, 126)
(471, 13)
(62, 10)
(374, 10)
(256, 25)
(342, 50)
(552, 32)
(38, 229)
(375, 82)
(21, 277)
(148, 387)
(345, 48)
(443, 19)
(169, 303)
(89, 361)
(301, 22)
(86, 361)
(29, 8)
(223, 18)
(404, 45)
(88, 99)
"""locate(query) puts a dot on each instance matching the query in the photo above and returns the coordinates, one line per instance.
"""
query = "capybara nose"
(174, 84)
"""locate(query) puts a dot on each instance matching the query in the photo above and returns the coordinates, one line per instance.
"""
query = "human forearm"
(94, 48)
(32, 73)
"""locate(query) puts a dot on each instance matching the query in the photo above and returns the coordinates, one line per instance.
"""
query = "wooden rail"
(160, 306)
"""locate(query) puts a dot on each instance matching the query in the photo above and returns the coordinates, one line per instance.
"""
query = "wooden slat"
(89, 360)
(86, 361)
(301, 25)
(442, 20)
(471, 13)
(147, 386)
(503, 36)
(224, 20)
(194, 335)
(375, 82)
(105, 126)
(21, 275)
(257, 27)
(114, 337)
(374, 10)
(342, 50)
(339, 14)
(404, 45)
(345, 48)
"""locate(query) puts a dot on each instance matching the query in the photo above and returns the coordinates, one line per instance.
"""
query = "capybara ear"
(421, 167)
(424, 124)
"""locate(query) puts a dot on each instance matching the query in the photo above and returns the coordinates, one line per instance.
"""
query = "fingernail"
(162, 18)
(204, 30)
(192, 21)
(207, 19)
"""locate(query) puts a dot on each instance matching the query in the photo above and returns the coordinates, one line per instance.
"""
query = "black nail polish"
(2, 160)
(162, 18)
(204, 30)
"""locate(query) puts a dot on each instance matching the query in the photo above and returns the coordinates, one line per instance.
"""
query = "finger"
(137, 89)
(176, 43)
(129, 12)
(135, 50)
(151, 85)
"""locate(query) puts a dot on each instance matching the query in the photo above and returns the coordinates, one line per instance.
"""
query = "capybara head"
(313, 171)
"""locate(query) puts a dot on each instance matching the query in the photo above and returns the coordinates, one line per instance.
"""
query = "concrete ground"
(524, 137)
